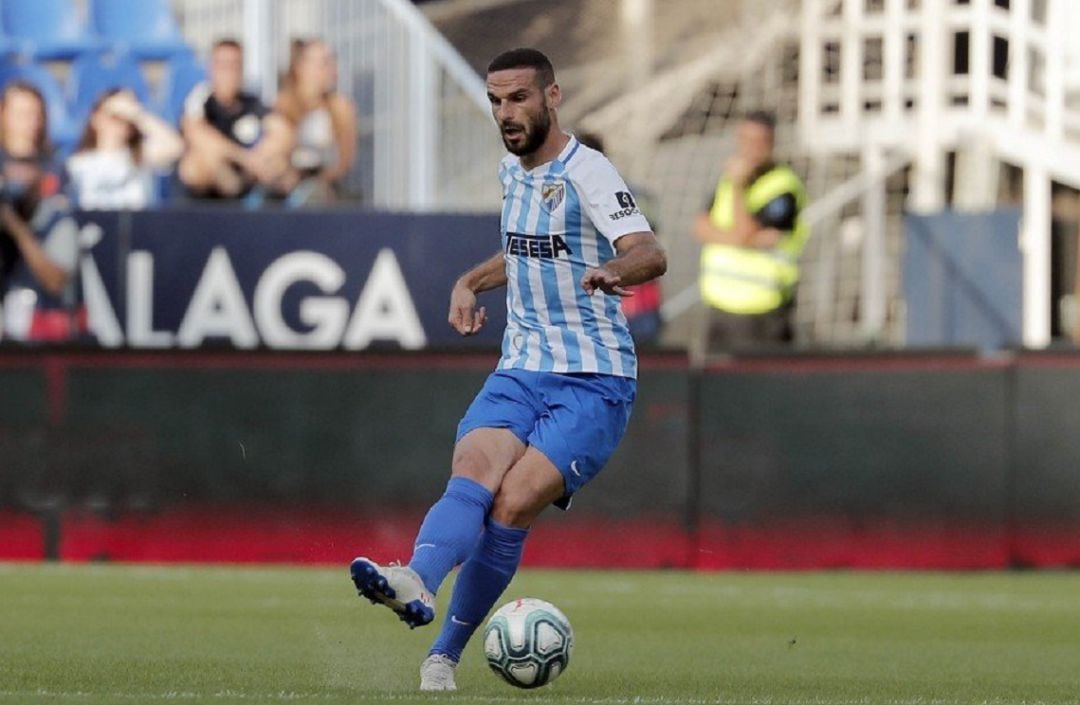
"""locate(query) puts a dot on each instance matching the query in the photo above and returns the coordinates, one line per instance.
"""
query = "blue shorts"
(576, 420)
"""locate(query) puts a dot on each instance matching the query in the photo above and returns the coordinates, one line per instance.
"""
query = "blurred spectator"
(642, 310)
(38, 238)
(324, 120)
(752, 237)
(121, 150)
(234, 143)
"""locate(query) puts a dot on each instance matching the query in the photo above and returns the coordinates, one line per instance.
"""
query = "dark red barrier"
(263, 535)
(935, 462)
(21, 537)
(238, 534)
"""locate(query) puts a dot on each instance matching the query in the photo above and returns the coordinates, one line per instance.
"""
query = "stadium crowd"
(215, 141)
(83, 128)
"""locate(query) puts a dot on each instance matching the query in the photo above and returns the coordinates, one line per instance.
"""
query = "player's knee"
(515, 505)
(474, 464)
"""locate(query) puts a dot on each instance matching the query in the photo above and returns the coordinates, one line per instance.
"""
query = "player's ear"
(554, 95)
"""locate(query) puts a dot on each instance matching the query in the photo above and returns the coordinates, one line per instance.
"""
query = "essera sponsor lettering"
(537, 246)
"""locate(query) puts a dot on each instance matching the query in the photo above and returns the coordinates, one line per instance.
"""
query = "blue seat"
(46, 29)
(182, 73)
(145, 28)
(63, 130)
(9, 48)
(94, 74)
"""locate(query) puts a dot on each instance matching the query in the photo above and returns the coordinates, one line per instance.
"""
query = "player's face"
(522, 108)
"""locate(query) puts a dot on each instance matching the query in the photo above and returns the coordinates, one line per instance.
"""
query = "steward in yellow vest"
(752, 236)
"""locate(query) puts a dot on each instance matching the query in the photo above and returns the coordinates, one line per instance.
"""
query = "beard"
(535, 133)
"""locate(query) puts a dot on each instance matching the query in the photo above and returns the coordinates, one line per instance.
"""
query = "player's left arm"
(640, 259)
(612, 209)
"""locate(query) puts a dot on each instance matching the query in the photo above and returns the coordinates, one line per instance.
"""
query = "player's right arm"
(465, 317)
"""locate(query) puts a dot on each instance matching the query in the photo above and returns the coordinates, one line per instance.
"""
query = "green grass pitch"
(124, 635)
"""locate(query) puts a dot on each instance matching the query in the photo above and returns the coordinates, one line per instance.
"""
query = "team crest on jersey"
(552, 195)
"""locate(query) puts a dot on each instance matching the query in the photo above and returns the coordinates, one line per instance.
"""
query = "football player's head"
(524, 97)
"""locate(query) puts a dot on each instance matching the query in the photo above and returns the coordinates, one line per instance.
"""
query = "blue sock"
(479, 584)
(450, 530)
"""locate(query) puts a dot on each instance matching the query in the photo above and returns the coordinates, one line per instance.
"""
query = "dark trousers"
(728, 332)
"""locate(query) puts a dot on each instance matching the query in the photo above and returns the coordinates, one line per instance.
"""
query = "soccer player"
(553, 411)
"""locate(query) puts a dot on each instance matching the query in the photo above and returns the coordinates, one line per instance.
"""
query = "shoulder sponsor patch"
(627, 206)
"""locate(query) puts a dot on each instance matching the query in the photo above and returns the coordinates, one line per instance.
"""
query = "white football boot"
(437, 673)
(398, 587)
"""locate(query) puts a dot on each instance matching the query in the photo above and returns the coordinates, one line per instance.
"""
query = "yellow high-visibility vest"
(746, 280)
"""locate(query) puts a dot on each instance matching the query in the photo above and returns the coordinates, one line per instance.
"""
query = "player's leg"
(530, 486)
(448, 533)
(586, 418)
(453, 524)
(490, 440)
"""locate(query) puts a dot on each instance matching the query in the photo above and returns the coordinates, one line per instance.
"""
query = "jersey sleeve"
(608, 202)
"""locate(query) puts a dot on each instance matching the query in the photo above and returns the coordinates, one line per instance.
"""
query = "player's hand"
(605, 280)
(465, 318)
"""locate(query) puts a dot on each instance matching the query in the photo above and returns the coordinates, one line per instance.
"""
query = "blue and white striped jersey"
(558, 220)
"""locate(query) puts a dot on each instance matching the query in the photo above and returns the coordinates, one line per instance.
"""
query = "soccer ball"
(528, 642)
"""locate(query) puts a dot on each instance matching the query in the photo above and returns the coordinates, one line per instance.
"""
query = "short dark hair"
(228, 43)
(523, 58)
(761, 117)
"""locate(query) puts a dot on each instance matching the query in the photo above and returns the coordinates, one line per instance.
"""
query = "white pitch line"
(286, 696)
(167, 695)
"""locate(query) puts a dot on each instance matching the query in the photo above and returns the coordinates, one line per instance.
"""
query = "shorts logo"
(552, 195)
(626, 204)
(573, 468)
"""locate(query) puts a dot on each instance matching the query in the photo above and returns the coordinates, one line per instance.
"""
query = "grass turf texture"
(115, 634)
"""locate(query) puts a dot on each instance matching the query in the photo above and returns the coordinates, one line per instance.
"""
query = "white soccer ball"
(528, 642)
